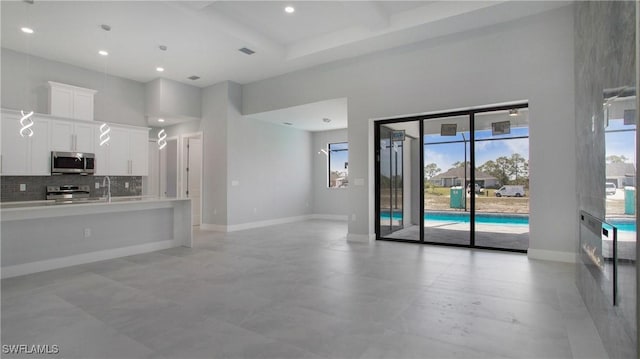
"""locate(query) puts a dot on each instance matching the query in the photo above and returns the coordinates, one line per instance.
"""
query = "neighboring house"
(621, 174)
(454, 177)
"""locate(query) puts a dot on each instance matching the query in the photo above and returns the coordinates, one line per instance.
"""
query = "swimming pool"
(499, 219)
(627, 225)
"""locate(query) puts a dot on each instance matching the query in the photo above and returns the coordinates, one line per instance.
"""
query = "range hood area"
(171, 101)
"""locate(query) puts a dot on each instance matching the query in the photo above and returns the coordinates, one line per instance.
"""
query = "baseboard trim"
(56, 263)
(213, 227)
(331, 217)
(270, 222)
(364, 238)
(554, 256)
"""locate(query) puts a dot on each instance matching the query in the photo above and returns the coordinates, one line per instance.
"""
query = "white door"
(171, 168)
(194, 166)
(151, 183)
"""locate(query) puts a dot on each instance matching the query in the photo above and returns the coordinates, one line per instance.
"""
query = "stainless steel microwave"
(72, 162)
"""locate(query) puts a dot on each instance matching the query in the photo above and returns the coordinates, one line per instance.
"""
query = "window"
(338, 165)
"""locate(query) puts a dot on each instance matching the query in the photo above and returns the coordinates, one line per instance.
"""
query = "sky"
(621, 143)
(444, 155)
(338, 157)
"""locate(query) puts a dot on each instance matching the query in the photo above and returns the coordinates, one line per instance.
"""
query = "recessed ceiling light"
(289, 10)
(160, 69)
(27, 30)
(161, 120)
(103, 53)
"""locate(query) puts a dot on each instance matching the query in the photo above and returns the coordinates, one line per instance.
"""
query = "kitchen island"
(42, 235)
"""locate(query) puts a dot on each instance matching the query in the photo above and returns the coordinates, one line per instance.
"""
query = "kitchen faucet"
(106, 181)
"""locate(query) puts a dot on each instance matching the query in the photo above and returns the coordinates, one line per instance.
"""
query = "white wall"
(269, 168)
(118, 100)
(531, 58)
(327, 201)
(254, 171)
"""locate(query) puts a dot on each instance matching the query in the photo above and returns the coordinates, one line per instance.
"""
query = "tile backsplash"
(36, 186)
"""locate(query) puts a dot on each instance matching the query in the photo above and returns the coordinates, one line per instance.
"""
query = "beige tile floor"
(302, 291)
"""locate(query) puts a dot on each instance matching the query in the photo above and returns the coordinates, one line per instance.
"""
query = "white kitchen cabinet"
(25, 156)
(72, 136)
(71, 101)
(139, 152)
(127, 152)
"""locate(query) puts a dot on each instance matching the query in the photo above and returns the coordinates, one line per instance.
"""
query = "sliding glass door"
(501, 145)
(459, 178)
(399, 183)
(446, 177)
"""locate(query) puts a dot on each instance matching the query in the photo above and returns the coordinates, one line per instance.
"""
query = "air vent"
(247, 51)
(194, 77)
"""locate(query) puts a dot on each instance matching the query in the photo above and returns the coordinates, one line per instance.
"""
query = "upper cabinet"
(71, 101)
(172, 100)
(127, 152)
(22, 156)
(72, 136)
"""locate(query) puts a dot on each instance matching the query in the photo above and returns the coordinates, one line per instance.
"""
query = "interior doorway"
(191, 174)
(459, 178)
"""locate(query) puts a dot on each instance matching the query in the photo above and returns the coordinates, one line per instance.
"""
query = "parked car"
(610, 188)
(510, 191)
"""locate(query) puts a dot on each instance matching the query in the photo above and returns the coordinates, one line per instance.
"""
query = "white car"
(610, 188)
(510, 191)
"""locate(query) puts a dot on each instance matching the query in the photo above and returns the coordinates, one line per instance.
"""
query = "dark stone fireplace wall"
(605, 54)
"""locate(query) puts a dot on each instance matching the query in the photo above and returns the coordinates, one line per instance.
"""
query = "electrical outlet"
(23, 187)
(97, 185)
(87, 232)
(126, 185)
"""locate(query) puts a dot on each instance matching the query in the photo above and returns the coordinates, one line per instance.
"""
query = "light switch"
(126, 185)
(235, 183)
(23, 187)
(97, 185)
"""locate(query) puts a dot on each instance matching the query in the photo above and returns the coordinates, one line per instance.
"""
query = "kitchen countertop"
(51, 208)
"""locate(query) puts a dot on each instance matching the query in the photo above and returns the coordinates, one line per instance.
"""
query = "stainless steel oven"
(72, 162)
